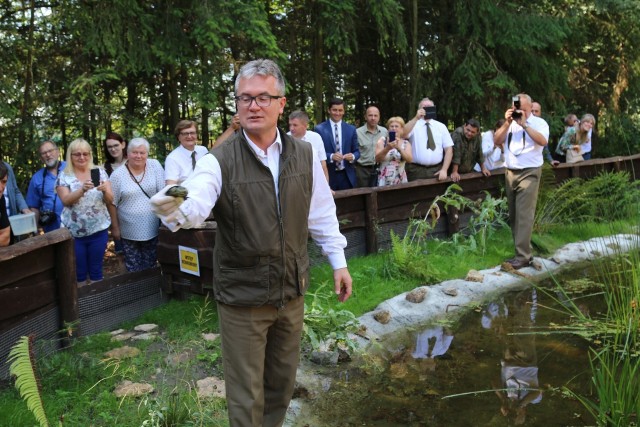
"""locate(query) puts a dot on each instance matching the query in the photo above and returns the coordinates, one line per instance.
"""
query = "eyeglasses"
(81, 154)
(188, 133)
(261, 100)
(46, 153)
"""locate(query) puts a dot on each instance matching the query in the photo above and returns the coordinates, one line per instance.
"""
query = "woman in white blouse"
(136, 224)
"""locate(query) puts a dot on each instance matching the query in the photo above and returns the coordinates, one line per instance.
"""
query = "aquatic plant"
(614, 334)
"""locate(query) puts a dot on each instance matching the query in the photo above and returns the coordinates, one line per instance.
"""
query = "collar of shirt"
(185, 152)
(271, 158)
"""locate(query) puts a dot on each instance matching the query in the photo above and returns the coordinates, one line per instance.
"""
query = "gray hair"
(427, 100)
(48, 141)
(300, 115)
(136, 143)
(262, 67)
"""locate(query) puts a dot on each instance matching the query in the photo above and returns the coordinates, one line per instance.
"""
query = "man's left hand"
(342, 283)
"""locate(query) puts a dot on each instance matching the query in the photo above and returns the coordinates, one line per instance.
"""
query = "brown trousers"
(260, 354)
(522, 195)
(416, 171)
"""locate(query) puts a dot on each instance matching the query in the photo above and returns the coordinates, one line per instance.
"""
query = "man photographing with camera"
(41, 195)
(523, 136)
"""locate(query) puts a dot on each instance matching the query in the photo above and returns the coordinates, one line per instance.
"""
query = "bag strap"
(136, 181)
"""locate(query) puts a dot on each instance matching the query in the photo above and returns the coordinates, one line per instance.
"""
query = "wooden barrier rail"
(369, 213)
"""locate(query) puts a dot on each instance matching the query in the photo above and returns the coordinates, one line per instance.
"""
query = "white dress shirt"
(493, 156)
(419, 140)
(177, 165)
(316, 142)
(205, 185)
(522, 152)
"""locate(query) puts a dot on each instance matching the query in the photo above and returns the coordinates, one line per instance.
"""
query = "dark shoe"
(517, 264)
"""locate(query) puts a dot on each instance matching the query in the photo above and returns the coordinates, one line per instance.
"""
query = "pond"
(499, 365)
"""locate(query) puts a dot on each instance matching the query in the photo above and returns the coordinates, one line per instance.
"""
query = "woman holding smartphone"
(393, 153)
(85, 192)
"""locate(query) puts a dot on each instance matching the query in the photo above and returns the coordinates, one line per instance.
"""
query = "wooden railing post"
(371, 221)
(67, 286)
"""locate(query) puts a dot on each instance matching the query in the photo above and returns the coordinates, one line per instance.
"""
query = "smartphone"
(516, 102)
(392, 135)
(430, 112)
(95, 176)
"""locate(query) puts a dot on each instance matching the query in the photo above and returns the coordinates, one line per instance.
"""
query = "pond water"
(495, 367)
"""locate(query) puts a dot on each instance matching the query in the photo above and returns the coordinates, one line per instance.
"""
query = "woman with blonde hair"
(393, 153)
(85, 211)
(575, 144)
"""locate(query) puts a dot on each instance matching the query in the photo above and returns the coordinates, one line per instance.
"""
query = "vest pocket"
(247, 286)
(302, 271)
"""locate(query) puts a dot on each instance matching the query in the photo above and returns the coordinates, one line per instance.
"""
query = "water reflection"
(432, 342)
(513, 324)
(494, 373)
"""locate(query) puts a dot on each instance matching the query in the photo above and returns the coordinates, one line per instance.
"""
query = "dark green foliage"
(609, 196)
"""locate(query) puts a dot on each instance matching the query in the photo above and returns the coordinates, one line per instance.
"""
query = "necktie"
(193, 159)
(431, 145)
(339, 165)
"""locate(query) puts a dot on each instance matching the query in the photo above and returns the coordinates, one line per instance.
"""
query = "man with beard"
(41, 195)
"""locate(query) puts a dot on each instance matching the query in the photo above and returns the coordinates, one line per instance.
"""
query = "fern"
(22, 366)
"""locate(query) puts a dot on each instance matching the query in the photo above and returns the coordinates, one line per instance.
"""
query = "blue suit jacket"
(349, 145)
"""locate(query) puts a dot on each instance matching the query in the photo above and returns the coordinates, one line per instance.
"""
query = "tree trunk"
(414, 58)
(318, 59)
(130, 108)
(25, 109)
(174, 102)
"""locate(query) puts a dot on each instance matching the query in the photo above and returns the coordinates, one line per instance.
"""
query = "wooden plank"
(21, 300)
(29, 245)
(17, 269)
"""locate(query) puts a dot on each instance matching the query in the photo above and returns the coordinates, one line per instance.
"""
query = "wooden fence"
(368, 215)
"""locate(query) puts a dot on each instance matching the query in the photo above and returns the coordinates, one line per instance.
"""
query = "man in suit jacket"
(341, 157)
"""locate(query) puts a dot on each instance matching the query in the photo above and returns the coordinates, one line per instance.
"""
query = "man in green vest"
(268, 194)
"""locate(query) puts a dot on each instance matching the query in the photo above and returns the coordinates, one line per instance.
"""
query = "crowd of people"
(62, 193)
(90, 199)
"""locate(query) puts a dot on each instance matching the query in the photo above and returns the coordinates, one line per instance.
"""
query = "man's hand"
(342, 283)
(486, 172)
(455, 176)
(420, 113)
(441, 174)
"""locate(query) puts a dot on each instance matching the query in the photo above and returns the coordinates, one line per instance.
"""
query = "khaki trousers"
(522, 195)
(416, 171)
(260, 354)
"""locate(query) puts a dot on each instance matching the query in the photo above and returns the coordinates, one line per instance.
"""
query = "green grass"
(372, 284)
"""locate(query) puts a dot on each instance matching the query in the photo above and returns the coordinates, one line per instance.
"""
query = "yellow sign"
(189, 260)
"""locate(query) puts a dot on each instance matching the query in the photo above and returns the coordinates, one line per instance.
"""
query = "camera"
(47, 218)
(516, 115)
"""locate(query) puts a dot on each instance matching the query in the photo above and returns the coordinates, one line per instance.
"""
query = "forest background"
(82, 68)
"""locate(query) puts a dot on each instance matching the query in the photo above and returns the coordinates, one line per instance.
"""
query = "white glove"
(163, 205)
